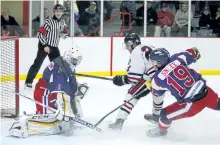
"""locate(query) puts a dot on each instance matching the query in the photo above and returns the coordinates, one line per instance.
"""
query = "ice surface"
(102, 97)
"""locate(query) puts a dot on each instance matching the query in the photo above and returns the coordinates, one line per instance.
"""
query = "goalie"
(58, 88)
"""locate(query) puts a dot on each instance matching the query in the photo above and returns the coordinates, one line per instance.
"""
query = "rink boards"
(105, 56)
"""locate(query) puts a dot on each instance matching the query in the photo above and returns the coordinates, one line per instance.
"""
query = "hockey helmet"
(159, 57)
(58, 7)
(131, 40)
(73, 56)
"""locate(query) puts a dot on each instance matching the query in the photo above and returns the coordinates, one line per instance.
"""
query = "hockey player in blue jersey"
(59, 76)
(59, 89)
(185, 84)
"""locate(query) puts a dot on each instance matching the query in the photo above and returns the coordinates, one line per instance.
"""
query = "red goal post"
(9, 76)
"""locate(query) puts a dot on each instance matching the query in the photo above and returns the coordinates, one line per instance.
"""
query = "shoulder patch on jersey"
(51, 65)
(147, 50)
(144, 49)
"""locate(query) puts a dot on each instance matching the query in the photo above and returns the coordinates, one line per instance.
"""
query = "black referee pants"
(41, 55)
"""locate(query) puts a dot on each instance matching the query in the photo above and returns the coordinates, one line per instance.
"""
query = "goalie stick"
(78, 120)
(100, 121)
(95, 77)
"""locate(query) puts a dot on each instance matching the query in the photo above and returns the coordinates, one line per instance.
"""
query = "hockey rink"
(101, 98)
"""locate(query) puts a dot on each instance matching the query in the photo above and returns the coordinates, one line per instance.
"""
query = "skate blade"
(151, 121)
(112, 129)
(155, 135)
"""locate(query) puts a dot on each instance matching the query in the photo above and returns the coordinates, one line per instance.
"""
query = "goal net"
(9, 76)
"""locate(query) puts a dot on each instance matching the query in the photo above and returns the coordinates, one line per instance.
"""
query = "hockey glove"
(64, 34)
(120, 80)
(195, 52)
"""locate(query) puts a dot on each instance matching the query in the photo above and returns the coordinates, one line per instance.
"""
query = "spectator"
(140, 16)
(213, 6)
(67, 5)
(67, 13)
(151, 14)
(139, 22)
(77, 30)
(181, 20)
(151, 18)
(108, 6)
(130, 7)
(83, 5)
(76, 12)
(216, 23)
(10, 25)
(90, 20)
(205, 19)
(36, 22)
(164, 22)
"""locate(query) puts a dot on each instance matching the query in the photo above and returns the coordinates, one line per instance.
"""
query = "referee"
(49, 36)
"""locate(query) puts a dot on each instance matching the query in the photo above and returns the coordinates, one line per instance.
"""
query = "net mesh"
(8, 78)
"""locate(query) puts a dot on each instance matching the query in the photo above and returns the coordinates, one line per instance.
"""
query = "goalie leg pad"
(77, 109)
(39, 124)
(63, 105)
(47, 128)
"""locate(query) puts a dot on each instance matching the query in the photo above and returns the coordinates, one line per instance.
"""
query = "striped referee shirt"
(50, 32)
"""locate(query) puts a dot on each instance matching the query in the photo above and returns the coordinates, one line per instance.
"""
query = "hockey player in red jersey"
(185, 84)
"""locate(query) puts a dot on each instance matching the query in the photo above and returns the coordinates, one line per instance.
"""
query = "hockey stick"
(95, 77)
(100, 121)
(78, 120)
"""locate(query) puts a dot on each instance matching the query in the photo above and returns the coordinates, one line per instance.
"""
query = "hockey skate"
(117, 125)
(156, 132)
(152, 118)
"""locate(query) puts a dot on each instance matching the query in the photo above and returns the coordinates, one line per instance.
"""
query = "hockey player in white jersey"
(139, 71)
(59, 90)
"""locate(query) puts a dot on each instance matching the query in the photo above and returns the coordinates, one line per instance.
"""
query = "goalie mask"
(73, 57)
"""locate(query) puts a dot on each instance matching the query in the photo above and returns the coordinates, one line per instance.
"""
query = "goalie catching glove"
(76, 105)
(81, 90)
